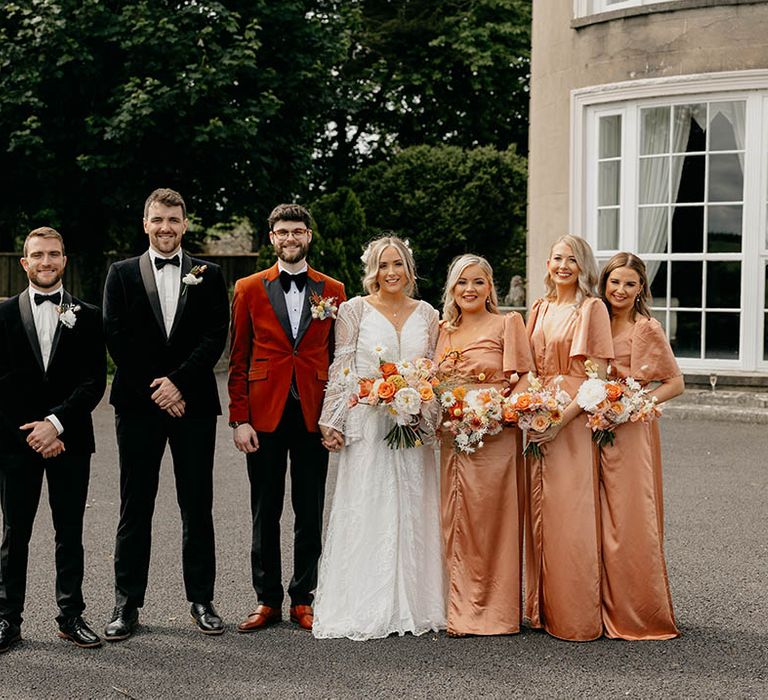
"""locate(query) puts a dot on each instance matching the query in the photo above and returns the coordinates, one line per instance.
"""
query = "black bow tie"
(286, 278)
(160, 263)
(53, 298)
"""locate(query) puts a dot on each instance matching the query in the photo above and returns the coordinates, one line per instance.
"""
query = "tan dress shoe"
(263, 616)
(303, 616)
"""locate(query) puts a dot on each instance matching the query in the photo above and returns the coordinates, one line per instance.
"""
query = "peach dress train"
(482, 496)
(562, 539)
(636, 599)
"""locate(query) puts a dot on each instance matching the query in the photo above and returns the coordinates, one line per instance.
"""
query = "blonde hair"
(451, 310)
(372, 259)
(631, 261)
(585, 260)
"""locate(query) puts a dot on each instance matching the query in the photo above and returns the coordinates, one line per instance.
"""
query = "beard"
(302, 248)
(40, 284)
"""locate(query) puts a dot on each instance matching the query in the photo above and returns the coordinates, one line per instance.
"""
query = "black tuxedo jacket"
(141, 349)
(71, 387)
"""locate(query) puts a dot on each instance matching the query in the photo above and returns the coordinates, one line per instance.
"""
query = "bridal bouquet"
(471, 414)
(403, 389)
(535, 409)
(611, 402)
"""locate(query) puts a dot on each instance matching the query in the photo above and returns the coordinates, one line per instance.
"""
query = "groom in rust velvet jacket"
(277, 374)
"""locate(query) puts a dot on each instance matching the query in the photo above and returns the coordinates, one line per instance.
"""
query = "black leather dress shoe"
(123, 622)
(10, 634)
(76, 630)
(206, 618)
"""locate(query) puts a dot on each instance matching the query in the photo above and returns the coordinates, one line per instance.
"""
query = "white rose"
(407, 401)
(590, 394)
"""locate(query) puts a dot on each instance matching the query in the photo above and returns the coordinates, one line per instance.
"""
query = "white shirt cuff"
(56, 423)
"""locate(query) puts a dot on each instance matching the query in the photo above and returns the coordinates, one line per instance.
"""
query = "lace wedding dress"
(381, 570)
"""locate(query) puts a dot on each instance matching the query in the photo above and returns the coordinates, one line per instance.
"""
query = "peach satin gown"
(562, 539)
(636, 599)
(482, 496)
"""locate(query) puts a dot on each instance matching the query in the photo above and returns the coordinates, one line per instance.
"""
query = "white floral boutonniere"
(194, 276)
(323, 307)
(67, 314)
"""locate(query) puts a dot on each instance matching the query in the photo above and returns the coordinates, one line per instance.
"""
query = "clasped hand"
(43, 438)
(168, 397)
(332, 440)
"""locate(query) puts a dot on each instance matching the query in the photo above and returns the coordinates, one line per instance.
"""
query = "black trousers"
(21, 483)
(141, 440)
(266, 471)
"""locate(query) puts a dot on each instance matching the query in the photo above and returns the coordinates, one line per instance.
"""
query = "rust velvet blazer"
(264, 355)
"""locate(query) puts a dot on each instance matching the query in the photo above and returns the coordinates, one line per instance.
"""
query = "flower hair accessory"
(323, 307)
(67, 315)
(194, 276)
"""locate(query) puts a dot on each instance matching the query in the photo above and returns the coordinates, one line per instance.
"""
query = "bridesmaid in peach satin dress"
(567, 327)
(482, 493)
(636, 599)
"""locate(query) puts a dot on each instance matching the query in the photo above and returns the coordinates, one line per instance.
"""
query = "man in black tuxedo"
(166, 317)
(52, 375)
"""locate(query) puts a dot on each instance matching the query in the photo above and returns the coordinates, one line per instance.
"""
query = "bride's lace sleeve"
(342, 370)
(431, 415)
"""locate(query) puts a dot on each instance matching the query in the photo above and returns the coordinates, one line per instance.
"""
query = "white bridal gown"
(381, 569)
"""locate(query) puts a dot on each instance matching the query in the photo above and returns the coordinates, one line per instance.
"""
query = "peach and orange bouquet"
(403, 389)
(610, 403)
(535, 410)
(470, 415)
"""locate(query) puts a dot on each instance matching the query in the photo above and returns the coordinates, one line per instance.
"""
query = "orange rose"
(387, 369)
(523, 401)
(613, 391)
(386, 391)
(365, 387)
(426, 393)
(509, 415)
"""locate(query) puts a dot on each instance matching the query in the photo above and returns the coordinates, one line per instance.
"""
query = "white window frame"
(626, 98)
(584, 8)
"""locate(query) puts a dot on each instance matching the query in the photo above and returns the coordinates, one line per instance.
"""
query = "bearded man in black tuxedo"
(166, 317)
(52, 375)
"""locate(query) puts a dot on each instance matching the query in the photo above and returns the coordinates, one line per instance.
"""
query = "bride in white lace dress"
(381, 570)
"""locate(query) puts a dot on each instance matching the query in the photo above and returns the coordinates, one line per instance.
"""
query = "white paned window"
(683, 182)
(583, 8)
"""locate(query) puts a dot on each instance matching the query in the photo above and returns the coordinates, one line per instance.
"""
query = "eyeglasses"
(282, 233)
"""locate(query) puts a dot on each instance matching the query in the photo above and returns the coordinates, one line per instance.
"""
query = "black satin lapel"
(186, 266)
(65, 299)
(150, 286)
(306, 311)
(28, 321)
(277, 299)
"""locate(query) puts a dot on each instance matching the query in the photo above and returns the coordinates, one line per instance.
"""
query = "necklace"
(391, 312)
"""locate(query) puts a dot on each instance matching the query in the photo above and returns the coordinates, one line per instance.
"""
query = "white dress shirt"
(46, 318)
(168, 281)
(294, 299)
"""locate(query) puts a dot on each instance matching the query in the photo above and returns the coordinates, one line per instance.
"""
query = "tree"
(423, 72)
(448, 201)
(102, 101)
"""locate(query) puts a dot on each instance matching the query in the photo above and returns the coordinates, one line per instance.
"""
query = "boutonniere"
(323, 307)
(194, 276)
(67, 315)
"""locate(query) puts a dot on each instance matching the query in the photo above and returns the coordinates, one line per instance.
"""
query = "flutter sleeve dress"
(482, 495)
(562, 541)
(636, 599)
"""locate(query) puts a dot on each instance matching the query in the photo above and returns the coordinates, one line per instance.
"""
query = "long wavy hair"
(585, 260)
(630, 260)
(451, 310)
(372, 259)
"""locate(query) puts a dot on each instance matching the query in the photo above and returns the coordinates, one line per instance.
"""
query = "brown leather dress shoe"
(303, 616)
(262, 617)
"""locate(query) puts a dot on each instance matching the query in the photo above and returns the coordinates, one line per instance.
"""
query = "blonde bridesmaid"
(481, 493)
(636, 599)
(567, 327)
